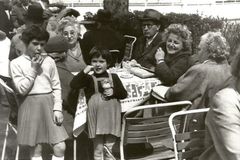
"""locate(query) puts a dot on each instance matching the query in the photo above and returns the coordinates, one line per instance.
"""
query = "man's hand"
(133, 63)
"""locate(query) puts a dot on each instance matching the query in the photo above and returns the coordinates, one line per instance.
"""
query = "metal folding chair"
(13, 105)
(154, 130)
(129, 43)
(187, 144)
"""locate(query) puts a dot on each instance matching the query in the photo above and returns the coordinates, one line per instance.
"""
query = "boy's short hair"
(34, 32)
(98, 52)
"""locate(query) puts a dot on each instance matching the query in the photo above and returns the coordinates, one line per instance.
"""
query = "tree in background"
(116, 6)
(231, 32)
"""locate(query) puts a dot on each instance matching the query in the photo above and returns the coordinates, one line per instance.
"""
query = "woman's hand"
(37, 61)
(88, 69)
(58, 117)
(160, 55)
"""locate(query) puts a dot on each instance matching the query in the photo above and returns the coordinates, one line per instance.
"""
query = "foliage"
(232, 33)
(128, 23)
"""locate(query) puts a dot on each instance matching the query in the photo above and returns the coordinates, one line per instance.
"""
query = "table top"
(139, 89)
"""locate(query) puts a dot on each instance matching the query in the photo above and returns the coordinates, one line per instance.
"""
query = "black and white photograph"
(120, 79)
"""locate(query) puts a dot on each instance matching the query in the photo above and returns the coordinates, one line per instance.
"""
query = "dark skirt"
(104, 116)
(35, 121)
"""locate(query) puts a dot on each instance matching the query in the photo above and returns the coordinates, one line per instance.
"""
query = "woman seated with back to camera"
(203, 80)
(175, 59)
(223, 120)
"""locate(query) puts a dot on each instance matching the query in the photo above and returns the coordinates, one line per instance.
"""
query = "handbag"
(80, 118)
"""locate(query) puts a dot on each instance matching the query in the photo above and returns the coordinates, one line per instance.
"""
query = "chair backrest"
(147, 130)
(129, 43)
(12, 100)
(187, 145)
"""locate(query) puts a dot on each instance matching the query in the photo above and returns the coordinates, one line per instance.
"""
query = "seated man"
(147, 45)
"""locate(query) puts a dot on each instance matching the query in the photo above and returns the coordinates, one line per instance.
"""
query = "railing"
(99, 3)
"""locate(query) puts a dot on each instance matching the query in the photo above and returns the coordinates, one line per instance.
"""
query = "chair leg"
(109, 152)
(74, 149)
(17, 153)
(5, 142)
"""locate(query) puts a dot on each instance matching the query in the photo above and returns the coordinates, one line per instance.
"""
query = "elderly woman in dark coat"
(223, 120)
(202, 81)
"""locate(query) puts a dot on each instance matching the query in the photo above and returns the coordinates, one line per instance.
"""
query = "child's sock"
(57, 158)
(36, 158)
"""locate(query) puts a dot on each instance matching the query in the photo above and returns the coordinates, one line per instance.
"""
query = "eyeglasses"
(149, 26)
(69, 34)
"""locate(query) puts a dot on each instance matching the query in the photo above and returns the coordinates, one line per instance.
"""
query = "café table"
(139, 89)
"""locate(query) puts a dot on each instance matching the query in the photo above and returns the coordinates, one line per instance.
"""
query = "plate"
(126, 76)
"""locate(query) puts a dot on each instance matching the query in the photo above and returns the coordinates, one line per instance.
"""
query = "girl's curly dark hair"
(97, 51)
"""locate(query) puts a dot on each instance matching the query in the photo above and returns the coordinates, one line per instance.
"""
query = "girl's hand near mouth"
(88, 69)
(37, 61)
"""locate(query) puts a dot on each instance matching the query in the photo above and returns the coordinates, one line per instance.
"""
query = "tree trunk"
(116, 6)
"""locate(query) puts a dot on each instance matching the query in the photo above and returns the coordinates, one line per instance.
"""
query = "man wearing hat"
(147, 45)
(34, 16)
(104, 35)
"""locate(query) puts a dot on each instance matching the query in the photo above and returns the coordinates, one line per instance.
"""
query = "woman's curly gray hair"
(183, 32)
(216, 46)
(68, 21)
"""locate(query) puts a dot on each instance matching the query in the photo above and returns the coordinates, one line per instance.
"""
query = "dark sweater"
(85, 81)
(173, 67)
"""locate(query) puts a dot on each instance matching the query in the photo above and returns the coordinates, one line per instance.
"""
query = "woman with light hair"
(200, 83)
(176, 59)
(223, 120)
(73, 62)
(69, 27)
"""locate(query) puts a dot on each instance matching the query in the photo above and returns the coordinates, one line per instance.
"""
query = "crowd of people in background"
(41, 49)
